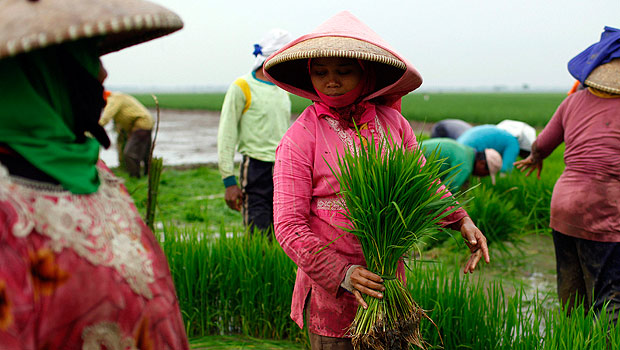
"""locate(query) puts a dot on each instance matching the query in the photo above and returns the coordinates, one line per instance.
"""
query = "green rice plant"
(468, 313)
(393, 199)
(495, 214)
(471, 313)
(230, 282)
(154, 168)
(154, 173)
(582, 329)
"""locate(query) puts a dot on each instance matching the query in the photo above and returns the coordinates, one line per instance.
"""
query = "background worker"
(255, 115)
(79, 269)
(466, 159)
(452, 128)
(524, 133)
(486, 136)
(133, 124)
(585, 210)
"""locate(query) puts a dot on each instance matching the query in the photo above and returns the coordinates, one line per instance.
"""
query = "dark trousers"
(136, 152)
(257, 185)
(588, 270)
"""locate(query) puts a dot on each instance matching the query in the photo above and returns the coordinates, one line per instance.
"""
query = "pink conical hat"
(343, 35)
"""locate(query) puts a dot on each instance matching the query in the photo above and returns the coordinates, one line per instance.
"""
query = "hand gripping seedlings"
(394, 199)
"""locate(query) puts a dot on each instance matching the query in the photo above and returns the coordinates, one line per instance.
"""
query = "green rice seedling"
(393, 199)
(582, 329)
(154, 167)
(230, 282)
(495, 214)
(154, 174)
(468, 314)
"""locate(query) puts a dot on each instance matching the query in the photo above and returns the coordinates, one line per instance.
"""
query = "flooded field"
(189, 137)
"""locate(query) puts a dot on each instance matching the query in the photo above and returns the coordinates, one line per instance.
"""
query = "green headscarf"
(37, 120)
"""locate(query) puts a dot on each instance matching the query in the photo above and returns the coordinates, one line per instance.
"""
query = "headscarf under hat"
(39, 117)
(49, 91)
(349, 109)
(270, 43)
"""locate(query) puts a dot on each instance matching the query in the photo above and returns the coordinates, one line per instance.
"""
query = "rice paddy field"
(235, 289)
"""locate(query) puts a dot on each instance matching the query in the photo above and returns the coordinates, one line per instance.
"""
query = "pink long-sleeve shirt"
(308, 214)
(586, 198)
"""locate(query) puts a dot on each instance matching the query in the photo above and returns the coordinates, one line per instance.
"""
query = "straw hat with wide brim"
(286, 64)
(606, 77)
(27, 25)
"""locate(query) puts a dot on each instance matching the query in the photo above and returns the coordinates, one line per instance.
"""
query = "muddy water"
(188, 137)
(184, 137)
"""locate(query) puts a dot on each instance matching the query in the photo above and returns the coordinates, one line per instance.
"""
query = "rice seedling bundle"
(393, 200)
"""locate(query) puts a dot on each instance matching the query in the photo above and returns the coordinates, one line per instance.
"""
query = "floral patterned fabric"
(82, 271)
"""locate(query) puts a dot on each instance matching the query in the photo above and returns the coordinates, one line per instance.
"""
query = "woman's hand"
(530, 163)
(364, 281)
(476, 242)
(533, 161)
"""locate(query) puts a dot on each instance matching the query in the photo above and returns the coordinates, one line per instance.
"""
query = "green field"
(477, 108)
(225, 281)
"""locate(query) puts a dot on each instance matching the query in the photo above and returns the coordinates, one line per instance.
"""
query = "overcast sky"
(471, 44)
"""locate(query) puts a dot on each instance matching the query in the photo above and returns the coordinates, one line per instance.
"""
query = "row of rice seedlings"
(469, 314)
(231, 282)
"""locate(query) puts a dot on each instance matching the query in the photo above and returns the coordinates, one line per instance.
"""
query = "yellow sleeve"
(111, 108)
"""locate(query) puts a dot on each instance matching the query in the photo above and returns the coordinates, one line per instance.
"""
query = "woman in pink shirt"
(352, 76)
(585, 206)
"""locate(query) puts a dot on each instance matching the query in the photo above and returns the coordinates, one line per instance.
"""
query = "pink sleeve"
(293, 189)
(553, 133)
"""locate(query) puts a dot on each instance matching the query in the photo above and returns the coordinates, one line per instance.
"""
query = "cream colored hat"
(27, 25)
(606, 77)
(494, 162)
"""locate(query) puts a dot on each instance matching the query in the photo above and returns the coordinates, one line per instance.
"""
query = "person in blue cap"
(585, 210)
(255, 115)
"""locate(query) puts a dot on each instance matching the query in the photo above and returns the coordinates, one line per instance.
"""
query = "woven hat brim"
(336, 46)
(606, 77)
(29, 25)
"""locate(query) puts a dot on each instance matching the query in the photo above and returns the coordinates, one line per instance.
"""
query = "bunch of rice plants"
(393, 198)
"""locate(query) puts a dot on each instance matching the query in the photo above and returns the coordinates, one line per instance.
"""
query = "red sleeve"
(553, 133)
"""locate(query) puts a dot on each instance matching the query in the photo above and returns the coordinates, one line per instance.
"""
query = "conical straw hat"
(606, 77)
(27, 25)
(336, 46)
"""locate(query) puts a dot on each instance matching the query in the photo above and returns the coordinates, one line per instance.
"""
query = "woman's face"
(335, 76)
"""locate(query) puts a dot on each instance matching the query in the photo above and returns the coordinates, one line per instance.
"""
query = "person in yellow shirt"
(134, 124)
